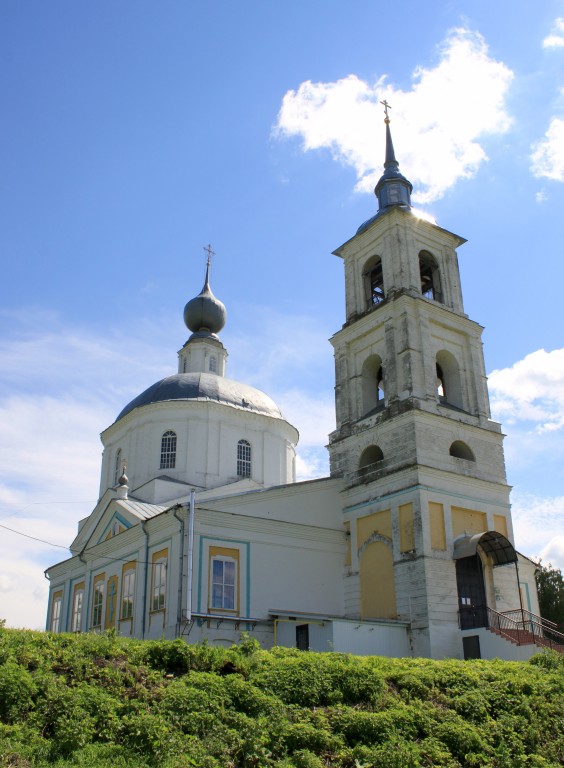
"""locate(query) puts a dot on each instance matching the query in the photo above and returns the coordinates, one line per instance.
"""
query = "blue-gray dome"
(205, 387)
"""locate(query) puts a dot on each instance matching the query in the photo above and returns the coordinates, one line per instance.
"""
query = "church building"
(406, 549)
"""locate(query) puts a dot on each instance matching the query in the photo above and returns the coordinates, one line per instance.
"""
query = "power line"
(27, 536)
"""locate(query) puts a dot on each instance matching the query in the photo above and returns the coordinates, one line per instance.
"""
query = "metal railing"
(525, 628)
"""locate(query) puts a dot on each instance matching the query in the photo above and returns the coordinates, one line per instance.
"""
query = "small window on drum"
(243, 458)
(168, 450)
(213, 364)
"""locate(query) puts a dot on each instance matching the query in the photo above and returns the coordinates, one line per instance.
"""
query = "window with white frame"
(243, 458)
(158, 584)
(56, 612)
(128, 591)
(98, 600)
(223, 583)
(76, 623)
(168, 450)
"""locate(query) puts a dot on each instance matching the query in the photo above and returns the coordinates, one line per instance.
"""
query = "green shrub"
(17, 690)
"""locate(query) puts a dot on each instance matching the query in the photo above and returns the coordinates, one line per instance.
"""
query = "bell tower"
(421, 459)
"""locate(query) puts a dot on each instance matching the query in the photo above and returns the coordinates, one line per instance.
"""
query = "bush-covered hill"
(103, 701)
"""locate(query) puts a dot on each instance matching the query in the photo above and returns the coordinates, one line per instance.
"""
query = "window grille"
(168, 450)
(243, 458)
(159, 585)
(56, 614)
(77, 611)
(224, 574)
(97, 604)
(128, 594)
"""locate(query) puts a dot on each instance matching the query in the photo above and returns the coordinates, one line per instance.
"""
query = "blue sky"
(134, 133)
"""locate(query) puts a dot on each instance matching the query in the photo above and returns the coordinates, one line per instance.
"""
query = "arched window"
(117, 467)
(372, 384)
(369, 460)
(461, 451)
(430, 277)
(373, 282)
(168, 450)
(441, 384)
(449, 388)
(371, 455)
(243, 458)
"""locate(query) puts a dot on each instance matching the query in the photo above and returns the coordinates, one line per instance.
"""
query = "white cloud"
(541, 197)
(531, 391)
(537, 524)
(437, 123)
(556, 37)
(547, 158)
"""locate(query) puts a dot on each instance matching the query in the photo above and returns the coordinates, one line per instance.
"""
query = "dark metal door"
(471, 593)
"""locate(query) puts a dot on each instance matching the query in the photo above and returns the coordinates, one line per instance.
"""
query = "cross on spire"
(386, 108)
(209, 253)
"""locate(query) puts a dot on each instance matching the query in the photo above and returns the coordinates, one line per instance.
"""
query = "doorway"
(471, 593)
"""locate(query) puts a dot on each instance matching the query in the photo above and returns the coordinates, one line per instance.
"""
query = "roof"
(205, 387)
(493, 543)
(142, 509)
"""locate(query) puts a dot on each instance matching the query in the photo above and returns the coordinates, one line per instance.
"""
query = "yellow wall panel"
(467, 521)
(377, 588)
(378, 522)
(437, 525)
(500, 524)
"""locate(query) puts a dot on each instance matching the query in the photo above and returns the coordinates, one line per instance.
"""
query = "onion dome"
(204, 313)
(123, 480)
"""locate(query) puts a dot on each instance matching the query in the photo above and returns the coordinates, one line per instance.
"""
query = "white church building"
(406, 549)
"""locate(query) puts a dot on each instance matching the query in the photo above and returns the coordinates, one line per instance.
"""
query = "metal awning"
(494, 544)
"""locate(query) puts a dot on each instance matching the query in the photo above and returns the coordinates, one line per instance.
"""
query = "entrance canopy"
(492, 543)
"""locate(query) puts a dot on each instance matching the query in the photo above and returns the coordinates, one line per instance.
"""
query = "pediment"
(112, 516)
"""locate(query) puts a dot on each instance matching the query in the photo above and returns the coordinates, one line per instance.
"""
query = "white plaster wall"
(206, 452)
(370, 639)
(493, 646)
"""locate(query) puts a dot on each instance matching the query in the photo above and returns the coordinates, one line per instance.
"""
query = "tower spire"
(393, 188)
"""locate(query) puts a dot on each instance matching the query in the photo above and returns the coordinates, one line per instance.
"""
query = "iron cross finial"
(386, 108)
(210, 252)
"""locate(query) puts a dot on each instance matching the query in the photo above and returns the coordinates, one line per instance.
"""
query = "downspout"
(146, 562)
(87, 573)
(532, 626)
(190, 555)
(49, 604)
(181, 568)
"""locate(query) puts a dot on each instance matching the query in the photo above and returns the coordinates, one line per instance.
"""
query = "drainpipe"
(190, 555)
(181, 568)
(49, 605)
(146, 562)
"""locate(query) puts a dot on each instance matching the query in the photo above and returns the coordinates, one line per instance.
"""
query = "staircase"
(521, 627)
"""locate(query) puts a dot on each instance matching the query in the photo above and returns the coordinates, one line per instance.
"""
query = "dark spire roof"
(393, 188)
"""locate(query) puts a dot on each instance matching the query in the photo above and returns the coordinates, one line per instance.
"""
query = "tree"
(550, 585)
